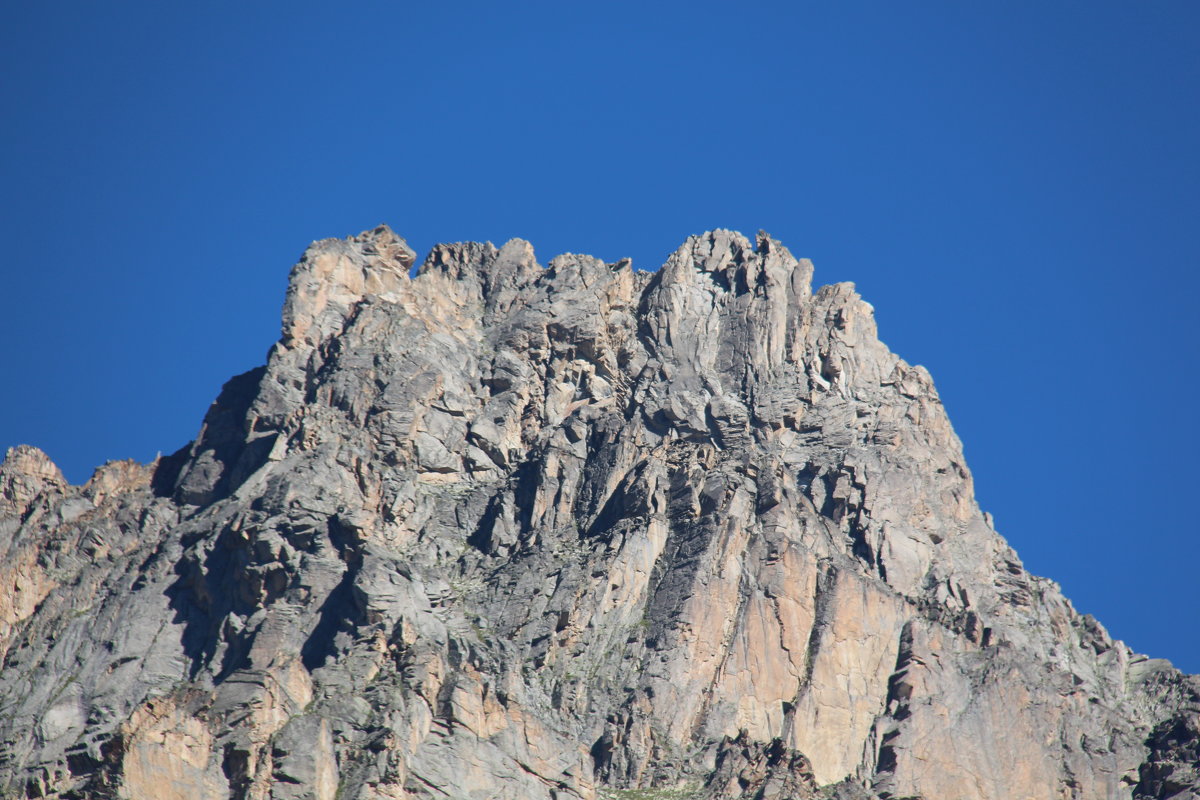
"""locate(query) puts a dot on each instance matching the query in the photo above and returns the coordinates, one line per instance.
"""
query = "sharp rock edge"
(496, 530)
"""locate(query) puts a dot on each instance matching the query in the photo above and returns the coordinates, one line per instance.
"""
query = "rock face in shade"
(502, 530)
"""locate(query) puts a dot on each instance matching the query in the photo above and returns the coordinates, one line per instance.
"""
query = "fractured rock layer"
(499, 530)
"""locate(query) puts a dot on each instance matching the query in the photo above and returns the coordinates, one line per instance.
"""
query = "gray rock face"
(501, 530)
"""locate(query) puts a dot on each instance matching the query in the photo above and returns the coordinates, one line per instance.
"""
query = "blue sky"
(1014, 186)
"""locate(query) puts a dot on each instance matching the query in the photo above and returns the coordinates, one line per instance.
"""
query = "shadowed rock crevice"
(342, 611)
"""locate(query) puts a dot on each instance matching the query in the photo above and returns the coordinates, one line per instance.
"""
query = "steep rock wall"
(505, 531)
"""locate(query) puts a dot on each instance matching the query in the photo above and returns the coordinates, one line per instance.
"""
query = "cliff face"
(506, 531)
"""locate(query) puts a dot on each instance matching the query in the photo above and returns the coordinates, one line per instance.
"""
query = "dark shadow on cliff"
(222, 455)
(342, 611)
(207, 590)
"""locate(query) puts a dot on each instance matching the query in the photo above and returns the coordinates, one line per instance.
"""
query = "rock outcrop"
(498, 530)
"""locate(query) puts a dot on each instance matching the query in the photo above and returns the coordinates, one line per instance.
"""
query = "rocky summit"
(489, 529)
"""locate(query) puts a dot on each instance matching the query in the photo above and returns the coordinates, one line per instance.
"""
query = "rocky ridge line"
(505, 530)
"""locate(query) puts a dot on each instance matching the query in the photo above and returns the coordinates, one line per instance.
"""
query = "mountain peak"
(25, 473)
(334, 274)
(502, 530)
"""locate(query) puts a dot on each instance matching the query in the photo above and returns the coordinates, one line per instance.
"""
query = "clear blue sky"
(1015, 187)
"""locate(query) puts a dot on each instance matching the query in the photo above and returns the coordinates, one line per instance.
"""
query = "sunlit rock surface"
(500, 530)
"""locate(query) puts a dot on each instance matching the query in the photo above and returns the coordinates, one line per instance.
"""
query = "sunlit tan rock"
(496, 530)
